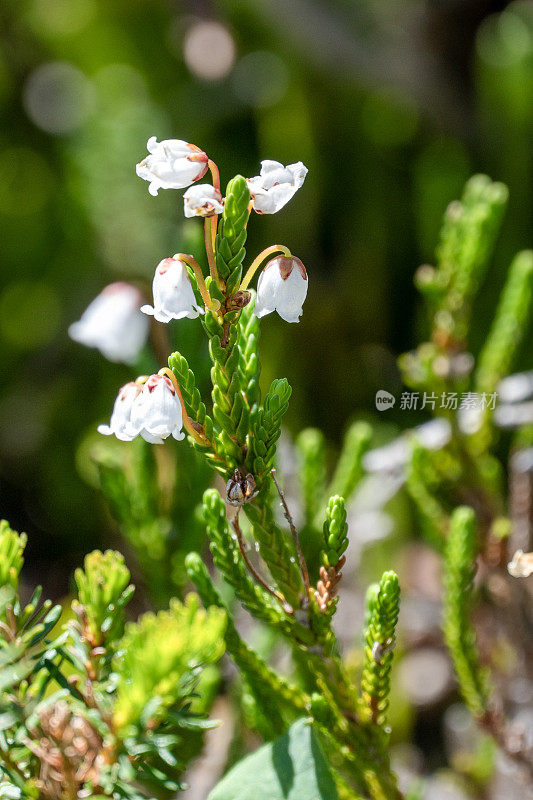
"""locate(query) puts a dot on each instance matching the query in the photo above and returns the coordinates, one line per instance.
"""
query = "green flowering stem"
(274, 548)
(383, 604)
(294, 534)
(349, 469)
(258, 260)
(509, 324)
(242, 547)
(256, 672)
(434, 520)
(459, 633)
(311, 448)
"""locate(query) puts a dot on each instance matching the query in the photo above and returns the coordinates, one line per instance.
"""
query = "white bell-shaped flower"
(202, 200)
(173, 294)
(120, 424)
(275, 185)
(113, 323)
(156, 412)
(171, 164)
(282, 287)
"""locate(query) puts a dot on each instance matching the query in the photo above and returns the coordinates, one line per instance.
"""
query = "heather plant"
(101, 707)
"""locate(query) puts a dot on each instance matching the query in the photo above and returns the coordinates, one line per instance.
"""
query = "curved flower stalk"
(113, 324)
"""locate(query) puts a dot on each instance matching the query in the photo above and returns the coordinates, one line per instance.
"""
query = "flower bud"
(282, 287)
(113, 324)
(172, 291)
(275, 185)
(172, 164)
(202, 200)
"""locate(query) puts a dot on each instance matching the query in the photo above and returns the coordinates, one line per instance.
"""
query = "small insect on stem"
(240, 489)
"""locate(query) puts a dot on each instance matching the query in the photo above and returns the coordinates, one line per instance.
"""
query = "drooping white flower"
(113, 323)
(156, 412)
(282, 287)
(202, 200)
(171, 164)
(522, 565)
(275, 185)
(173, 294)
(120, 424)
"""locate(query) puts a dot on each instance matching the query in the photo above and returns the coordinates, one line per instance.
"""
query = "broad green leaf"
(292, 767)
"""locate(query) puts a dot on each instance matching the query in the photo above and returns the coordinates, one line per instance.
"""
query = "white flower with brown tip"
(156, 413)
(275, 185)
(282, 287)
(172, 164)
(172, 291)
(202, 200)
(120, 424)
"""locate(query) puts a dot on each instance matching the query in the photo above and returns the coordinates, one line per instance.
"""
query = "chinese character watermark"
(449, 401)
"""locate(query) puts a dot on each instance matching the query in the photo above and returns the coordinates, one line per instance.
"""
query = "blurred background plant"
(391, 106)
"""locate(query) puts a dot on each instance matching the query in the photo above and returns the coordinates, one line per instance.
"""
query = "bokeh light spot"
(260, 79)
(62, 16)
(29, 314)
(26, 181)
(58, 97)
(209, 50)
(504, 39)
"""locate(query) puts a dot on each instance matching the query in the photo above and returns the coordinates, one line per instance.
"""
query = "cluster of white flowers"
(175, 164)
(113, 322)
(150, 409)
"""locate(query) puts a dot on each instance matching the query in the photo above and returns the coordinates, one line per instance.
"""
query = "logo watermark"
(384, 400)
(450, 401)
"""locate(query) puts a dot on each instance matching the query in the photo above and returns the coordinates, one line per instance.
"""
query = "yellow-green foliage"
(161, 656)
(103, 591)
(12, 546)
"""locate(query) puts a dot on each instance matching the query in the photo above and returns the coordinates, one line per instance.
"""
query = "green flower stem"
(258, 260)
(213, 305)
(257, 673)
(459, 633)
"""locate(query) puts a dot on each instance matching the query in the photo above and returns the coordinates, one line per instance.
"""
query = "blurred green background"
(391, 105)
